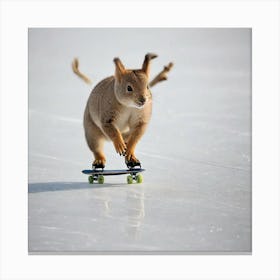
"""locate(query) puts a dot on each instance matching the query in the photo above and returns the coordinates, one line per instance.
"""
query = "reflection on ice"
(135, 204)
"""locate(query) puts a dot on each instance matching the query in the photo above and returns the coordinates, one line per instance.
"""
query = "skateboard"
(97, 175)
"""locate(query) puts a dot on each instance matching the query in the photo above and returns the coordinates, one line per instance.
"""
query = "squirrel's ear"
(120, 69)
(146, 63)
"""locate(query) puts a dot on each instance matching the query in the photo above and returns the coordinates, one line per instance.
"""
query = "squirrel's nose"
(142, 100)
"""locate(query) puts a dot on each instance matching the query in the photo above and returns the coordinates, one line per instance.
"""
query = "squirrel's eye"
(129, 88)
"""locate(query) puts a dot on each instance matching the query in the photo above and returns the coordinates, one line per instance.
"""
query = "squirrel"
(119, 109)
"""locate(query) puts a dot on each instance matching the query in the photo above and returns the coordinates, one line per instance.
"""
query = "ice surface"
(196, 195)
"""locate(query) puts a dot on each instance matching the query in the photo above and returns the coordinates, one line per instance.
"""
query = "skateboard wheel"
(90, 179)
(129, 179)
(100, 179)
(139, 178)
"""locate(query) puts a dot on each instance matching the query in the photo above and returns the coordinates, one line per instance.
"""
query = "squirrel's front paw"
(131, 158)
(120, 147)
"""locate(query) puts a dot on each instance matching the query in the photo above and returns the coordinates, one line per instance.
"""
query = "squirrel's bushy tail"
(75, 68)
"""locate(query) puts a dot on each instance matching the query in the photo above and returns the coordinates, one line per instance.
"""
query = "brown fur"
(75, 67)
(118, 113)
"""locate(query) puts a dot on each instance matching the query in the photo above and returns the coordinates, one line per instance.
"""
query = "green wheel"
(90, 179)
(129, 179)
(100, 179)
(139, 178)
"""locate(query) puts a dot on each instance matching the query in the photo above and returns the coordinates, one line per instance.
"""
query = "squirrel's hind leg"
(95, 140)
(99, 160)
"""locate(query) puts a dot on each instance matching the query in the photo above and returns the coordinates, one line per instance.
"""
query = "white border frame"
(262, 16)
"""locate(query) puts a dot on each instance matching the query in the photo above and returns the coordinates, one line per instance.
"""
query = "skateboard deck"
(97, 175)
